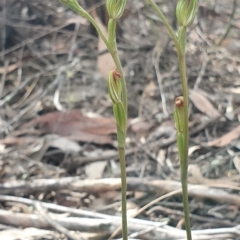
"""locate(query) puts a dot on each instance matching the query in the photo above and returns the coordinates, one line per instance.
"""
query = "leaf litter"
(47, 151)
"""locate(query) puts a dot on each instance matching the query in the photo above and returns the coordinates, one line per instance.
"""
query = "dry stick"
(71, 223)
(157, 54)
(228, 28)
(28, 234)
(173, 212)
(134, 235)
(73, 42)
(146, 223)
(53, 223)
(133, 184)
(202, 71)
(104, 221)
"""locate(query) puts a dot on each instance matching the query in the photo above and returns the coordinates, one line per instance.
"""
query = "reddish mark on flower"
(116, 74)
(179, 102)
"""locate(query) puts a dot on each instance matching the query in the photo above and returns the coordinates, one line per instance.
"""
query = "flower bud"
(114, 85)
(179, 113)
(186, 11)
(115, 8)
(179, 117)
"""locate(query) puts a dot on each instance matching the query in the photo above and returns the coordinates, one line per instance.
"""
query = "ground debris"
(59, 168)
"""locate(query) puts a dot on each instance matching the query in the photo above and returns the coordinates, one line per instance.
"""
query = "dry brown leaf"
(105, 62)
(203, 104)
(76, 126)
(225, 139)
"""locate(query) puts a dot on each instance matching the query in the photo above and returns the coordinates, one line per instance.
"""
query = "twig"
(28, 234)
(202, 71)
(228, 28)
(71, 223)
(156, 57)
(100, 185)
(73, 41)
(174, 234)
(54, 223)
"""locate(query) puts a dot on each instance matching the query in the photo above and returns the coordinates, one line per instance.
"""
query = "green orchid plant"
(185, 12)
(116, 86)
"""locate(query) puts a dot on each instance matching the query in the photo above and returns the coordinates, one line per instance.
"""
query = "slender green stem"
(98, 29)
(180, 46)
(124, 85)
(121, 149)
(74, 5)
(184, 162)
(111, 45)
(184, 171)
(114, 53)
(121, 134)
(121, 153)
(182, 67)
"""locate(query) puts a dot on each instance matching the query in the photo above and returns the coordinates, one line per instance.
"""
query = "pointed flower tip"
(116, 74)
